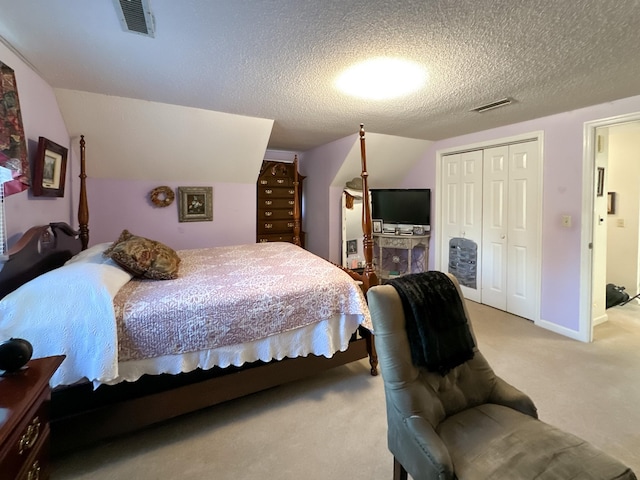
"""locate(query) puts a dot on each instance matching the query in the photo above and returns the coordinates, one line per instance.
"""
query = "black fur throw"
(439, 336)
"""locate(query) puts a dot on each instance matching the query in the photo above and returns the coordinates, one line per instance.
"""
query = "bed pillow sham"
(143, 257)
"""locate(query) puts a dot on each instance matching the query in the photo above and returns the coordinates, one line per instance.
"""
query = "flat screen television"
(402, 206)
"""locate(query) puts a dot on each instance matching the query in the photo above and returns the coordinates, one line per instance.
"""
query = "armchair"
(468, 424)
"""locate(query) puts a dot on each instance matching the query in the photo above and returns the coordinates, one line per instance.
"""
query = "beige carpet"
(333, 426)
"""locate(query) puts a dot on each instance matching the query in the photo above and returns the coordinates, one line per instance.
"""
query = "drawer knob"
(268, 202)
(29, 438)
(34, 471)
(268, 214)
(268, 191)
(290, 225)
(268, 225)
(280, 180)
(292, 192)
(263, 182)
(290, 213)
(291, 202)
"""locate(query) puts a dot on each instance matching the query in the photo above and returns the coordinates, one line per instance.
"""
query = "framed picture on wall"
(195, 204)
(600, 185)
(49, 169)
(377, 226)
(611, 203)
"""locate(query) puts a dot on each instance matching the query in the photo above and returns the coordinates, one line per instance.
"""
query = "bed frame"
(81, 415)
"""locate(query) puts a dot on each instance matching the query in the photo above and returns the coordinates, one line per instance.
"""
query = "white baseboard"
(567, 332)
(601, 319)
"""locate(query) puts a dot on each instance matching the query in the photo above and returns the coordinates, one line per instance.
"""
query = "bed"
(154, 365)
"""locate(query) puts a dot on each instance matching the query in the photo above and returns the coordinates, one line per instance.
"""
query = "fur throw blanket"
(439, 336)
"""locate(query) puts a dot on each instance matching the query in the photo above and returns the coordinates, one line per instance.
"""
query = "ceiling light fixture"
(382, 78)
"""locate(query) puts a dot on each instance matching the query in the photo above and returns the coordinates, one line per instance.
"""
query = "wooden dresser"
(24, 421)
(275, 202)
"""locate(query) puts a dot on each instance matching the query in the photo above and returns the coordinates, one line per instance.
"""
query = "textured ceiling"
(278, 59)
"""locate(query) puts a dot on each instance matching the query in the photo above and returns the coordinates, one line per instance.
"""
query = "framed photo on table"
(377, 226)
(49, 170)
(352, 247)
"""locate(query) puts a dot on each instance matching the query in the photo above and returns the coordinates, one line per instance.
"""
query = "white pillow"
(93, 255)
(69, 311)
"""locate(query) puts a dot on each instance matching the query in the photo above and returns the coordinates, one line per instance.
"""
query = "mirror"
(352, 236)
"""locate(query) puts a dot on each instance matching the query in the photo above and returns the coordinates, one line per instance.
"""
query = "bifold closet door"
(510, 218)
(462, 211)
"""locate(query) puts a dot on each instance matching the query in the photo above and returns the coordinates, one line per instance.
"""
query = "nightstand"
(24, 420)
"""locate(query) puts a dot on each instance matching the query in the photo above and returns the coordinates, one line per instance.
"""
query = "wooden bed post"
(296, 204)
(369, 274)
(83, 206)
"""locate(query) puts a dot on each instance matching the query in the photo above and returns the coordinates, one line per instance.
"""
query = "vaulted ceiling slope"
(278, 60)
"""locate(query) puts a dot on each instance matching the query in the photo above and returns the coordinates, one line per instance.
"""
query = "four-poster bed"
(82, 414)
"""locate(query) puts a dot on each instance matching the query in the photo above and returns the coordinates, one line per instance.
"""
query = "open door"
(599, 251)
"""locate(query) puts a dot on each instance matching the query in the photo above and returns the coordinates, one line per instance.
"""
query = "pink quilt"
(231, 295)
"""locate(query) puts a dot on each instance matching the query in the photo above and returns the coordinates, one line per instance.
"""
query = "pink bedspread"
(231, 295)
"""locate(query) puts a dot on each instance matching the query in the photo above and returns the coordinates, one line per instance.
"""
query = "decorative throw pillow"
(143, 257)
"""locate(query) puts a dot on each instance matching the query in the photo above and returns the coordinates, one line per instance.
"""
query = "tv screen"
(405, 206)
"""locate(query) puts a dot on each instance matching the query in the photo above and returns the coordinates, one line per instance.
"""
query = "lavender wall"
(40, 117)
(562, 195)
(120, 204)
(321, 204)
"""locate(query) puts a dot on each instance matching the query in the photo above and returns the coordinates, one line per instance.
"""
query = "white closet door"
(462, 211)
(510, 237)
(522, 234)
(495, 227)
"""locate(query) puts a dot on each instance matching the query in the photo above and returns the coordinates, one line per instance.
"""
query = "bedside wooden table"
(24, 420)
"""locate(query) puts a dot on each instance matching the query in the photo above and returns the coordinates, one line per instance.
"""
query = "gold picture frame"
(195, 204)
(50, 169)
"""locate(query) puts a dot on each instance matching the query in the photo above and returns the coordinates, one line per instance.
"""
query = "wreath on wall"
(162, 196)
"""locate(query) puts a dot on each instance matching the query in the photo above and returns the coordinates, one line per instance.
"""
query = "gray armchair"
(469, 424)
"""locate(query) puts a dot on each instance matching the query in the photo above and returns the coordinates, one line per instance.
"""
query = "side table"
(24, 420)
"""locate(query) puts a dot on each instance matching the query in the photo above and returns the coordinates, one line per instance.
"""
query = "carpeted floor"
(334, 425)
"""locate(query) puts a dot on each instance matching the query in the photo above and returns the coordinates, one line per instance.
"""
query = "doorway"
(600, 223)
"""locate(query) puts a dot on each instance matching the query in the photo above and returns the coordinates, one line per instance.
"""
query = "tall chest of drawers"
(276, 200)
(24, 420)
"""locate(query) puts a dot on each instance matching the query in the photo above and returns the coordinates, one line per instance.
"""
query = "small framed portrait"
(600, 186)
(418, 230)
(377, 226)
(352, 247)
(195, 204)
(49, 169)
(611, 203)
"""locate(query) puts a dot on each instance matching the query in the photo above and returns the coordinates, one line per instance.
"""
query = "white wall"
(623, 226)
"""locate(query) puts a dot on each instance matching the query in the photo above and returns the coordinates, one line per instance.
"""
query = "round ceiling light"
(382, 78)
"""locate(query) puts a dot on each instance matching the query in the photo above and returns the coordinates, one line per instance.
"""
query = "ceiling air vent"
(135, 16)
(492, 105)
